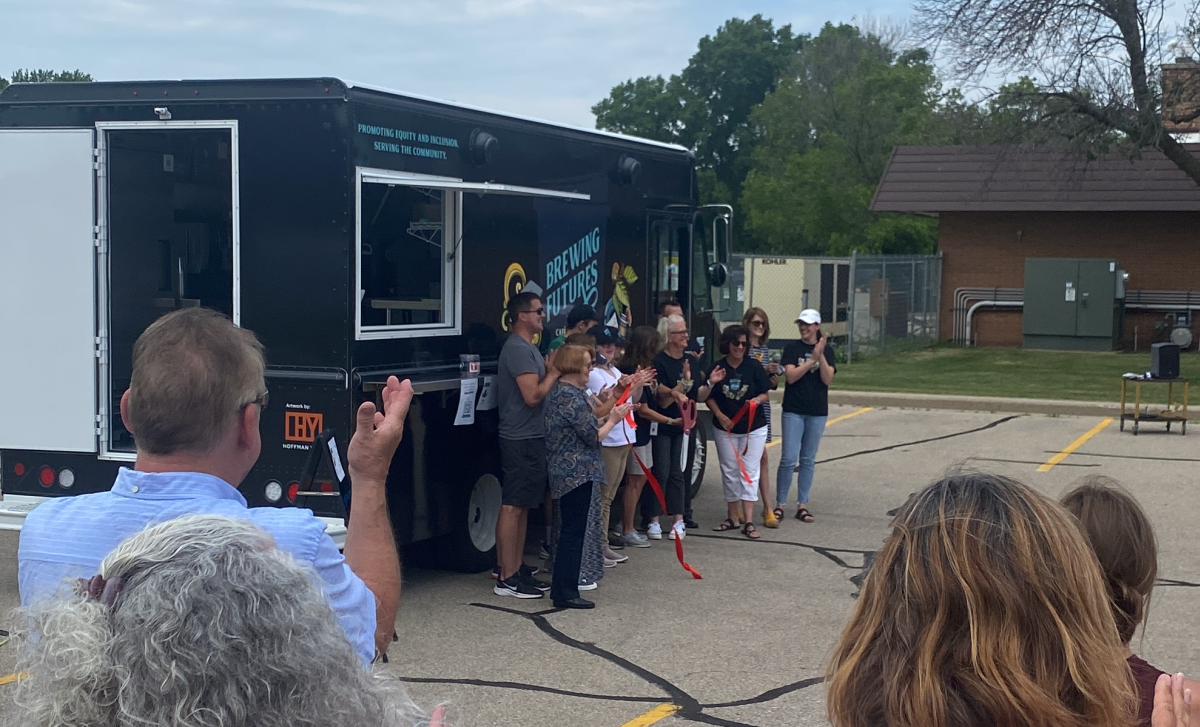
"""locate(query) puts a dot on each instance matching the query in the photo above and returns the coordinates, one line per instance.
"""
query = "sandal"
(803, 515)
(778, 514)
(769, 519)
(727, 524)
(750, 531)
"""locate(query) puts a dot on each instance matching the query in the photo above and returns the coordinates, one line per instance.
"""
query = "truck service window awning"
(384, 177)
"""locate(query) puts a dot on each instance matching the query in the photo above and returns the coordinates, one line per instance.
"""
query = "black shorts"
(524, 465)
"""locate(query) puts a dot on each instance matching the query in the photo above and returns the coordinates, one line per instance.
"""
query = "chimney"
(1181, 96)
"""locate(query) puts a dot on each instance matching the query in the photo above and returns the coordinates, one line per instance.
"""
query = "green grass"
(1008, 372)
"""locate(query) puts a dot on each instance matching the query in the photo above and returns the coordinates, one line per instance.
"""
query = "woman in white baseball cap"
(808, 368)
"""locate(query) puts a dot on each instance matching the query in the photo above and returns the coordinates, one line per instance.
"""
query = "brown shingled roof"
(1035, 179)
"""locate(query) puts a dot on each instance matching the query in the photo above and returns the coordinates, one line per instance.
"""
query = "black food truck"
(360, 233)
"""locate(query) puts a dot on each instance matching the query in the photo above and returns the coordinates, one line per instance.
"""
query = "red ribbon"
(657, 488)
(747, 410)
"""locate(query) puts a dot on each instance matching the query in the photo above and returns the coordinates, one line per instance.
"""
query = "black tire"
(471, 546)
(697, 460)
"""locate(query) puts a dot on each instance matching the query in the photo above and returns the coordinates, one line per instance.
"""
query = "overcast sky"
(550, 59)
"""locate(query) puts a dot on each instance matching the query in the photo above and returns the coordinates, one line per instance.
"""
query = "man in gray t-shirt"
(518, 420)
(522, 381)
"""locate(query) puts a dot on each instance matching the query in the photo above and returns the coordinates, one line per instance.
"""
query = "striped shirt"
(68, 537)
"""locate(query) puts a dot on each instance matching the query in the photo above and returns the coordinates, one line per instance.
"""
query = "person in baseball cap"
(810, 316)
(581, 319)
(808, 368)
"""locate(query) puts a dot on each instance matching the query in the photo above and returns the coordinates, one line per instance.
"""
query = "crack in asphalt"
(690, 708)
(915, 442)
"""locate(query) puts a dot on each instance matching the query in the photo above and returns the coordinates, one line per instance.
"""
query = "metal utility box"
(1072, 304)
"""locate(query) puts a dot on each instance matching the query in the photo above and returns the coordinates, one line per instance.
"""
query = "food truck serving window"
(409, 240)
(408, 268)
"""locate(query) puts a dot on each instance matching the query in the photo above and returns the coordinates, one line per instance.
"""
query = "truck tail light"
(273, 491)
(46, 476)
(293, 490)
(66, 478)
(19, 469)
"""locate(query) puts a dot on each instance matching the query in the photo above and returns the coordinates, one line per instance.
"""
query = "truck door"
(47, 290)
(168, 239)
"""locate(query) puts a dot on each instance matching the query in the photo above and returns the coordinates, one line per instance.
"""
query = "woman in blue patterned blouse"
(573, 436)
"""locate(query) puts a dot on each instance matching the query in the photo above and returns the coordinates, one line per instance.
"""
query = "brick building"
(999, 205)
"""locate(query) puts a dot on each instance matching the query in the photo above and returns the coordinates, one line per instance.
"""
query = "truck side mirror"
(718, 274)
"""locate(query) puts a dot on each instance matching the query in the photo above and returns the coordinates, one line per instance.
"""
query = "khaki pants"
(615, 459)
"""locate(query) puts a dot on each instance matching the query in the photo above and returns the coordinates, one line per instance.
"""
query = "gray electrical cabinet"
(1072, 304)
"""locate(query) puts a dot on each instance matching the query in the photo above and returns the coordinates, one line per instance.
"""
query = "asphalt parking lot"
(746, 645)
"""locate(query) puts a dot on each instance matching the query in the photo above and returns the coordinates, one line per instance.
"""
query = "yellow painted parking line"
(844, 417)
(1074, 446)
(10, 678)
(662, 711)
(831, 422)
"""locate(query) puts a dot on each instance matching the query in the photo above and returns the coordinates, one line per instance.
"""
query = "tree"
(42, 75)
(707, 106)
(826, 133)
(1097, 64)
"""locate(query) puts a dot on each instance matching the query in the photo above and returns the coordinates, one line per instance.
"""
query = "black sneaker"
(530, 581)
(690, 524)
(532, 570)
(517, 588)
(616, 543)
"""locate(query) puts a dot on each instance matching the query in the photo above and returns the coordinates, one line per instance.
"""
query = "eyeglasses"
(737, 344)
(262, 401)
(677, 333)
(758, 324)
(536, 311)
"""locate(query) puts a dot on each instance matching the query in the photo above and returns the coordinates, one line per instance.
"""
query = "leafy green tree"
(825, 135)
(707, 106)
(42, 75)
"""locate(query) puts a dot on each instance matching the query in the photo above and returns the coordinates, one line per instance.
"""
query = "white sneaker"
(654, 531)
(586, 585)
(636, 540)
(614, 556)
(678, 528)
(610, 563)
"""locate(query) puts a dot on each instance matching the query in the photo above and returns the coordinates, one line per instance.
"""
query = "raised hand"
(618, 412)
(550, 362)
(687, 369)
(717, 376)
(378, 433)
(605, 394)
(1172, 702)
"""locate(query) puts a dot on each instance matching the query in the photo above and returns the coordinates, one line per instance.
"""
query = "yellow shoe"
(769, 519)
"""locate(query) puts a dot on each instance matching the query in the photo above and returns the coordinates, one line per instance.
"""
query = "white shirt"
(621, 434)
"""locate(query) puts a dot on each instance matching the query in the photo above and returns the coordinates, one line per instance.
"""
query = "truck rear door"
(47, 290)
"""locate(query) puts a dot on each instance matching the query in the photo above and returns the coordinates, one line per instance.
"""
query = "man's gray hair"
(214, 627)
(664, 325)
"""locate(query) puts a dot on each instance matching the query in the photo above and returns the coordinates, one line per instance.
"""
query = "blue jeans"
(801, 437)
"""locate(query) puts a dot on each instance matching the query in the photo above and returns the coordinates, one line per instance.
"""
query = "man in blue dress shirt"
(193, 406)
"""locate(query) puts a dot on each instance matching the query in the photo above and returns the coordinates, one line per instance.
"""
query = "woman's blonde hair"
(984, 607)
(1123, 540)
(572, 359)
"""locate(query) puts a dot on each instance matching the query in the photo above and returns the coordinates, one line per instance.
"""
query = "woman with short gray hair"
(194, 622)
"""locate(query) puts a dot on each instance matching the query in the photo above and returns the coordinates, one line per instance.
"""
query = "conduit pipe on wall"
(989, 304)
(965, 294)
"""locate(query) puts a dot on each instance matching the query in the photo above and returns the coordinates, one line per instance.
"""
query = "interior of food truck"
(171, 229)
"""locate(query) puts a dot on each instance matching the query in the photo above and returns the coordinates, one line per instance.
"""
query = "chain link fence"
(869, 304)
(895, 303)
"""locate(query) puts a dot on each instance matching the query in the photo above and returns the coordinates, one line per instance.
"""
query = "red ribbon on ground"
(656, 487)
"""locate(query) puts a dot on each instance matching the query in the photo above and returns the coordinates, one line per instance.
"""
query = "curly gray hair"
(215, 627)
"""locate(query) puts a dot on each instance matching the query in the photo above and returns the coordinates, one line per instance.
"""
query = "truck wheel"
(471, 547)
(697, 458)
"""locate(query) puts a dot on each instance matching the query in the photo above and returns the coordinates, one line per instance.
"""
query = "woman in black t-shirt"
(808, 368)
(737, 393)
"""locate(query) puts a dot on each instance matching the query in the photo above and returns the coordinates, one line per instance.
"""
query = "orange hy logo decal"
(301, 426)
